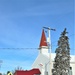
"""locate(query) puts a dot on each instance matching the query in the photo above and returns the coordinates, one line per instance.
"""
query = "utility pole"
(49, 43)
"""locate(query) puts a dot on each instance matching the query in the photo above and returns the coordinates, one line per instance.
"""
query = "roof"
(43, 41)
(27, 72)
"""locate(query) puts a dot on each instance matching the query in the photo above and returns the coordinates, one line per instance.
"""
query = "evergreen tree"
(62, 60)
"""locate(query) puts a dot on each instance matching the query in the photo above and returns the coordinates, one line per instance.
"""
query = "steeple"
(43, 41)
(43, 47)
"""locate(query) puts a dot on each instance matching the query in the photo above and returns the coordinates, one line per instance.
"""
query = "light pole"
(49, 42)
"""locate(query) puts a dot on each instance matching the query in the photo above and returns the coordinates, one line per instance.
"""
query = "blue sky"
(21, 23)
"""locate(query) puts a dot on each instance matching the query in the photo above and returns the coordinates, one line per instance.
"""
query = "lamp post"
(49, 43)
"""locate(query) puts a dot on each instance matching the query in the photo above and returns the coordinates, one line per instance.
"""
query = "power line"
(25, 48)
(17, 48)
(31, 48)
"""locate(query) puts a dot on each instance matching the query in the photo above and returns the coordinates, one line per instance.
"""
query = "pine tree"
(62, 60)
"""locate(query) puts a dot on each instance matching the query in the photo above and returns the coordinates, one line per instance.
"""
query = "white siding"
(73, 67)
(44, 59)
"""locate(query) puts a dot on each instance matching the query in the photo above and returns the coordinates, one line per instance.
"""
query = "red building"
(28, 72)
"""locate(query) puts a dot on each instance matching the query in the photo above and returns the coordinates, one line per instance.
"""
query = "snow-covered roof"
(72, 59)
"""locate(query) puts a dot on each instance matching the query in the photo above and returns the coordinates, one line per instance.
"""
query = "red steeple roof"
(43, 41)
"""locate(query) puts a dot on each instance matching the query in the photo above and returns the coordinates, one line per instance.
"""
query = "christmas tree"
(62, 60)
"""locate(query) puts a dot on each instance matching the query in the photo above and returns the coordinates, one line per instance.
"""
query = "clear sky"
(21, 23)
